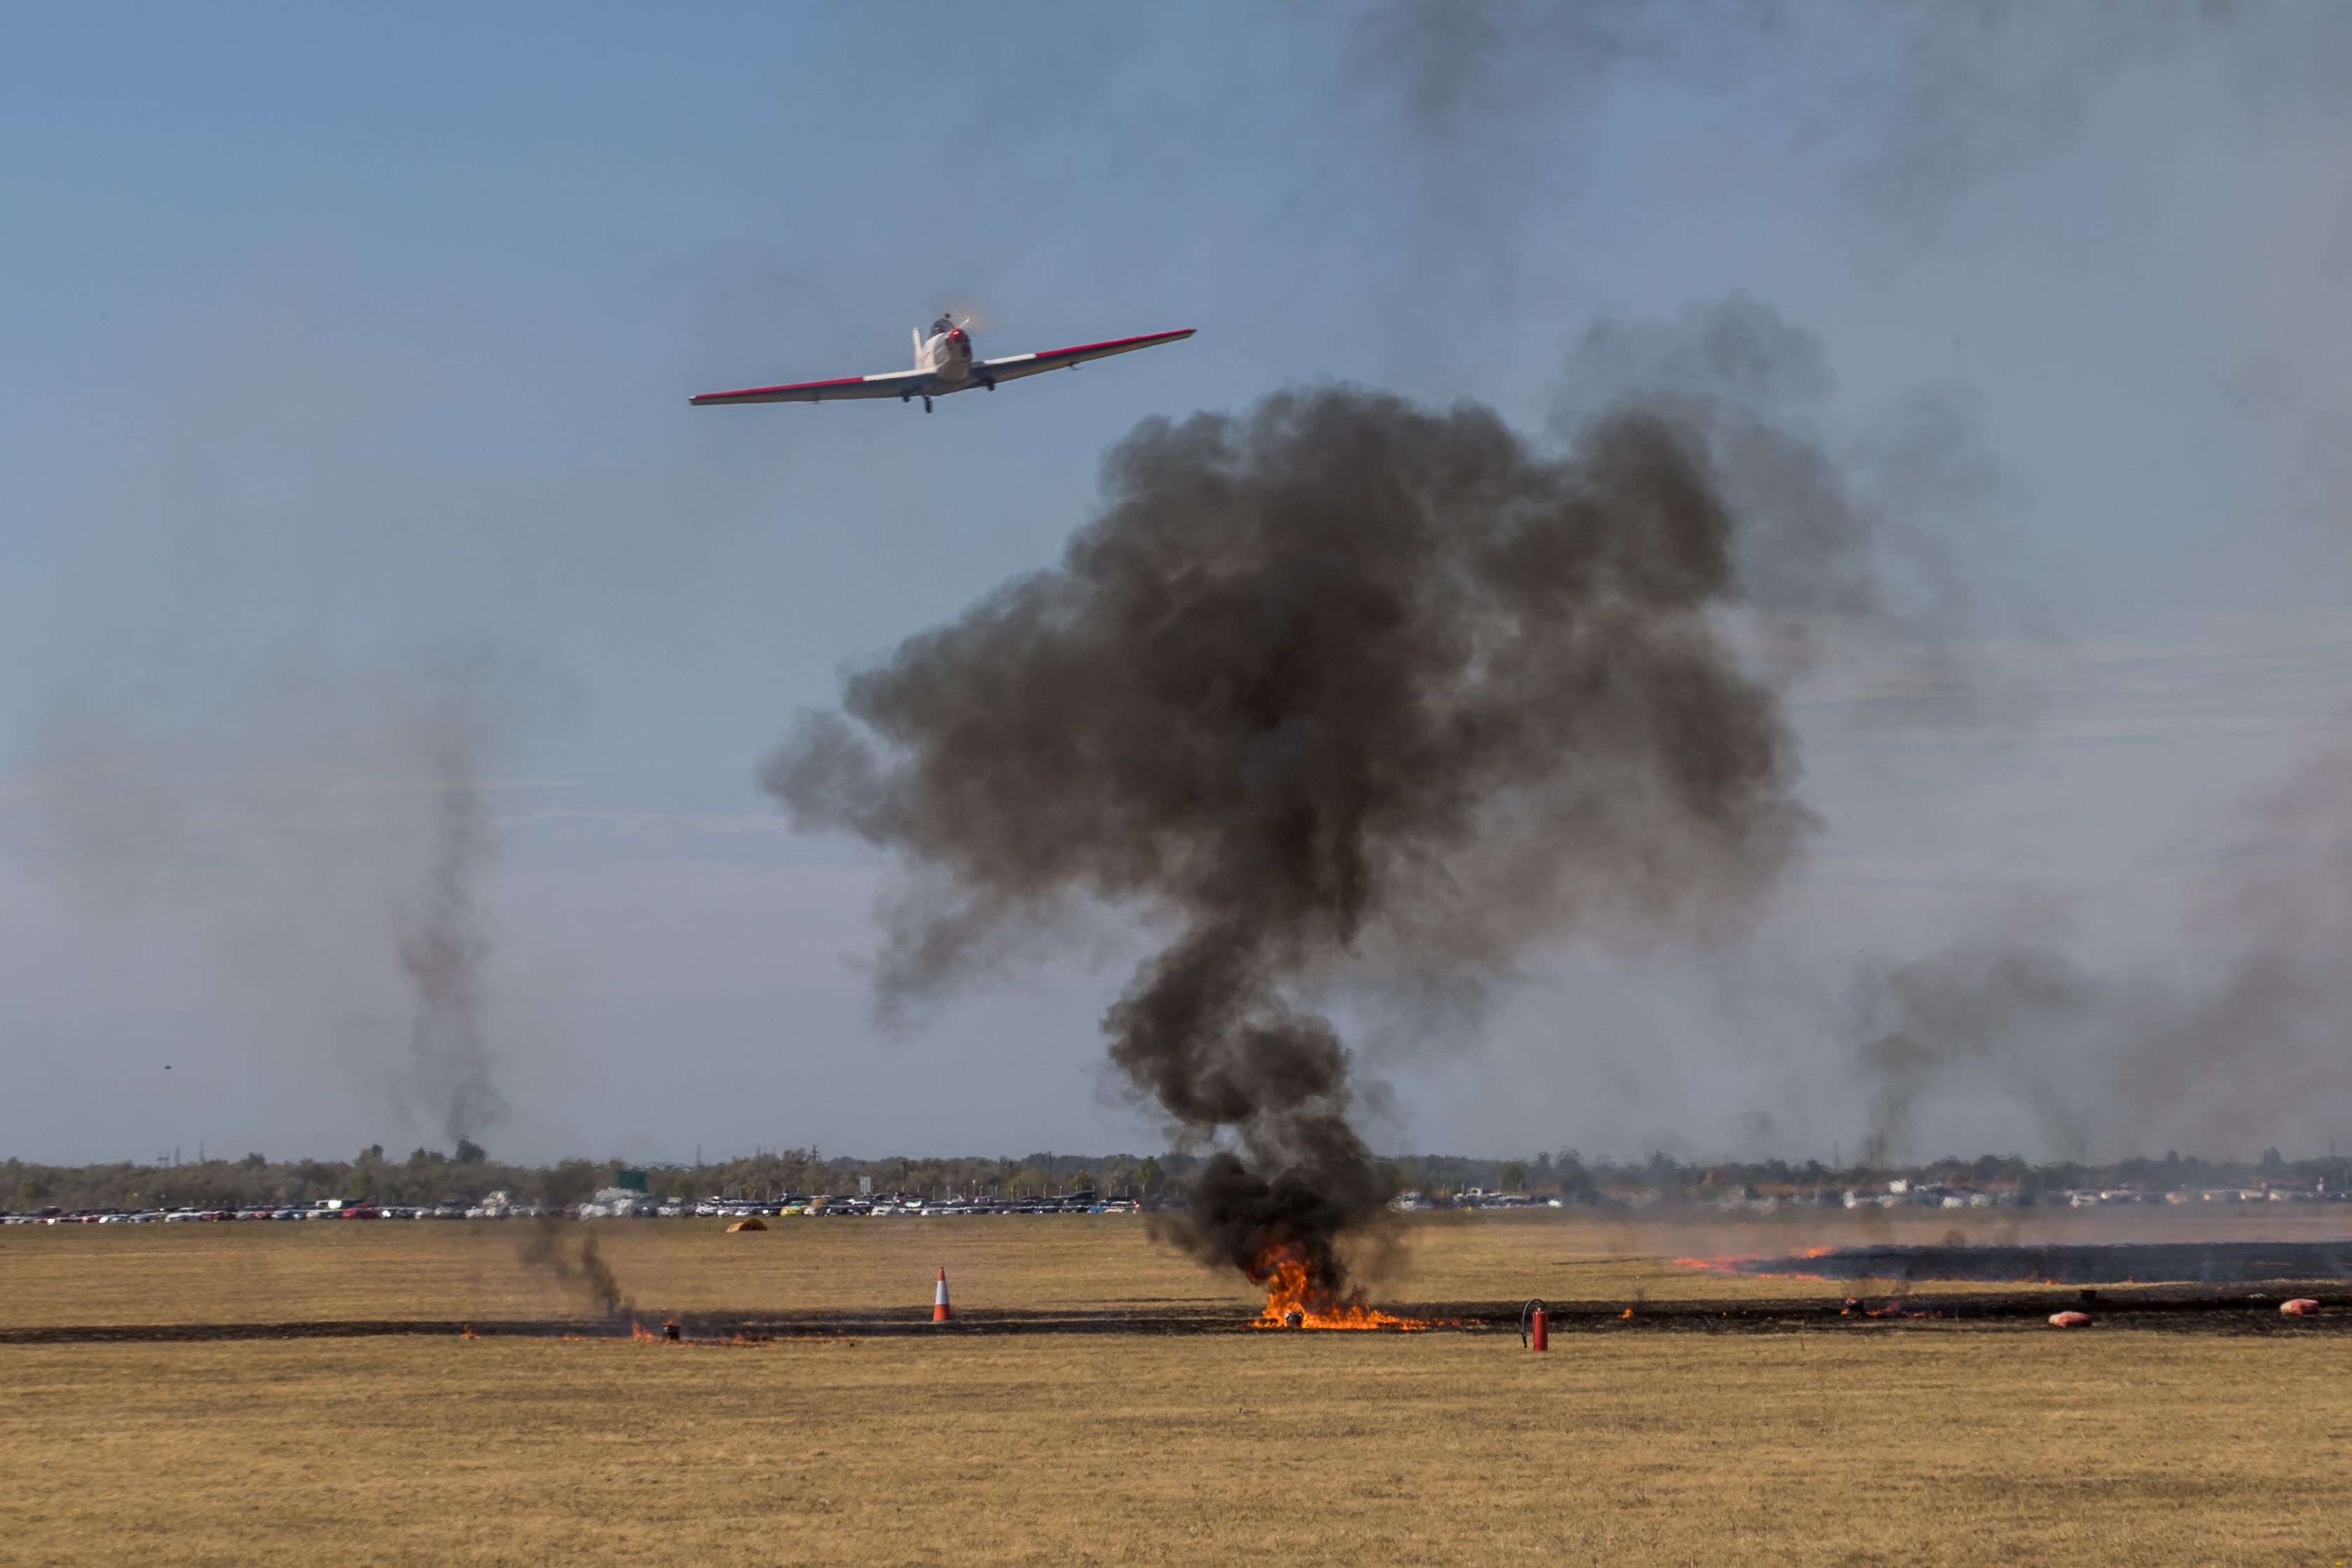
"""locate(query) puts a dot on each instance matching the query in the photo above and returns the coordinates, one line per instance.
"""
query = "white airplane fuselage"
(947, 355)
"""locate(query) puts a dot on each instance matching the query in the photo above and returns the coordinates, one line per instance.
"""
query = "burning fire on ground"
(1295, 1297)
(1755, 1263)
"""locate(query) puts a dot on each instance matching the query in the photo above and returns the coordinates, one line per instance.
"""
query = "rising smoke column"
(586, 1271)
(1341, 689)
(445, 940)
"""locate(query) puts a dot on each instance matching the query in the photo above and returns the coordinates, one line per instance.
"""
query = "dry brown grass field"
(436, 1270)
(1885, 1443)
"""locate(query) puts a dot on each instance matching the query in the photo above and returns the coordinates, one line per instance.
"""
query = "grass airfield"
(1910, 1442)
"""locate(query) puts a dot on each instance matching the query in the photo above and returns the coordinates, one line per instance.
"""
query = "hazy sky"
(341, 350)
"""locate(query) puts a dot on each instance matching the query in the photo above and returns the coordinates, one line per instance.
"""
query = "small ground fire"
(1790, 1267)
(1292, 1290)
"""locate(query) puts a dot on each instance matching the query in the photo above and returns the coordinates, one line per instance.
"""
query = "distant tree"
(1149, 1177)
(2271, 1160)
(253, 1162)
(469, 1153)
(1513, 1176)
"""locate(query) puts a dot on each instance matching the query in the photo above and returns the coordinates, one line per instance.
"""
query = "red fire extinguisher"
(1534, 1324)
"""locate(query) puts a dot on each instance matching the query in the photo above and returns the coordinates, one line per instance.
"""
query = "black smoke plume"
(1343, 688)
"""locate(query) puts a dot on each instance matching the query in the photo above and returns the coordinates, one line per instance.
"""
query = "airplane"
(943, 364)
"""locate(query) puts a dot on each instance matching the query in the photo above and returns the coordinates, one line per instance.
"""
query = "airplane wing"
(1014, 366)
(897, 383)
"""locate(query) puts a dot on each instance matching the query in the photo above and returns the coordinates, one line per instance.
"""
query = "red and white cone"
(940, 1312)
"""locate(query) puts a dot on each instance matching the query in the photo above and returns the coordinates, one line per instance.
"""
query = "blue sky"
(337, 340)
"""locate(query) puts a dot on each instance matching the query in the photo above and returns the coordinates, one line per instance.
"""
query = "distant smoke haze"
(2240, 1041)
(329, 831)
(1965, 91)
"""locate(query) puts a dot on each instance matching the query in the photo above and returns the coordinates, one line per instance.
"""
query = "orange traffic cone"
(940, 1312)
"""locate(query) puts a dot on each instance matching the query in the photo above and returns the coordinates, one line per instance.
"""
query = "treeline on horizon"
(430, 1177)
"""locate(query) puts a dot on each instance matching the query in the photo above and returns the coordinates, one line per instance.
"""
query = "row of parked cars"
(329, 1208)
(631, 1206)
(625, 1206)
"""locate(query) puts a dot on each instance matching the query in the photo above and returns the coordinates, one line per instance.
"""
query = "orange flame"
(1291, 1287)
(466, 1330)
(1744, 1263)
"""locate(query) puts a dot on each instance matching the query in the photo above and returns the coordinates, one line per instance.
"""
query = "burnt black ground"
(2199, 1262)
